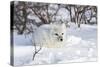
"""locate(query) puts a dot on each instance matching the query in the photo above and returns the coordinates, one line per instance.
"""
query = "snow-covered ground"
(81, 46)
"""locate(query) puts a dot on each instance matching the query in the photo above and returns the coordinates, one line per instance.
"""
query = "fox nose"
(61, 39)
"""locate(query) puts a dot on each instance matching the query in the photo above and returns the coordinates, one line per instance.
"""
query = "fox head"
(58, 31)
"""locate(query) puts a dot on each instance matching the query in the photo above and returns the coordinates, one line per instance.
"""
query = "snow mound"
(81, 46)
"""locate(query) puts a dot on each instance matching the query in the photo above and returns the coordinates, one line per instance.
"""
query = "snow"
(63, 14)
(34, 17)
(93, 19)
(81, 46)
(88, 14)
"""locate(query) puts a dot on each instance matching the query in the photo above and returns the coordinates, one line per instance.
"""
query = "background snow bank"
(81, 46)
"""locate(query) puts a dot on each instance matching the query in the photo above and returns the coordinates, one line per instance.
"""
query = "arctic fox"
(50, 35)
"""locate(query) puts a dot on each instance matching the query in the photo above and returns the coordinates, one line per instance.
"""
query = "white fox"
(50, 35)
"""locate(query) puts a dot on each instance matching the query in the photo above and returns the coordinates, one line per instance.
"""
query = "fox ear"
(51, 23)
(63, 25)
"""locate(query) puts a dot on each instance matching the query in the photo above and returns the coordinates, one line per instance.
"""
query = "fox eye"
(56, 34)
(62, 33)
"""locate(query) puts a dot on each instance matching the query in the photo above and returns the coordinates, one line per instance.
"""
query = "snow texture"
(81, 46)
